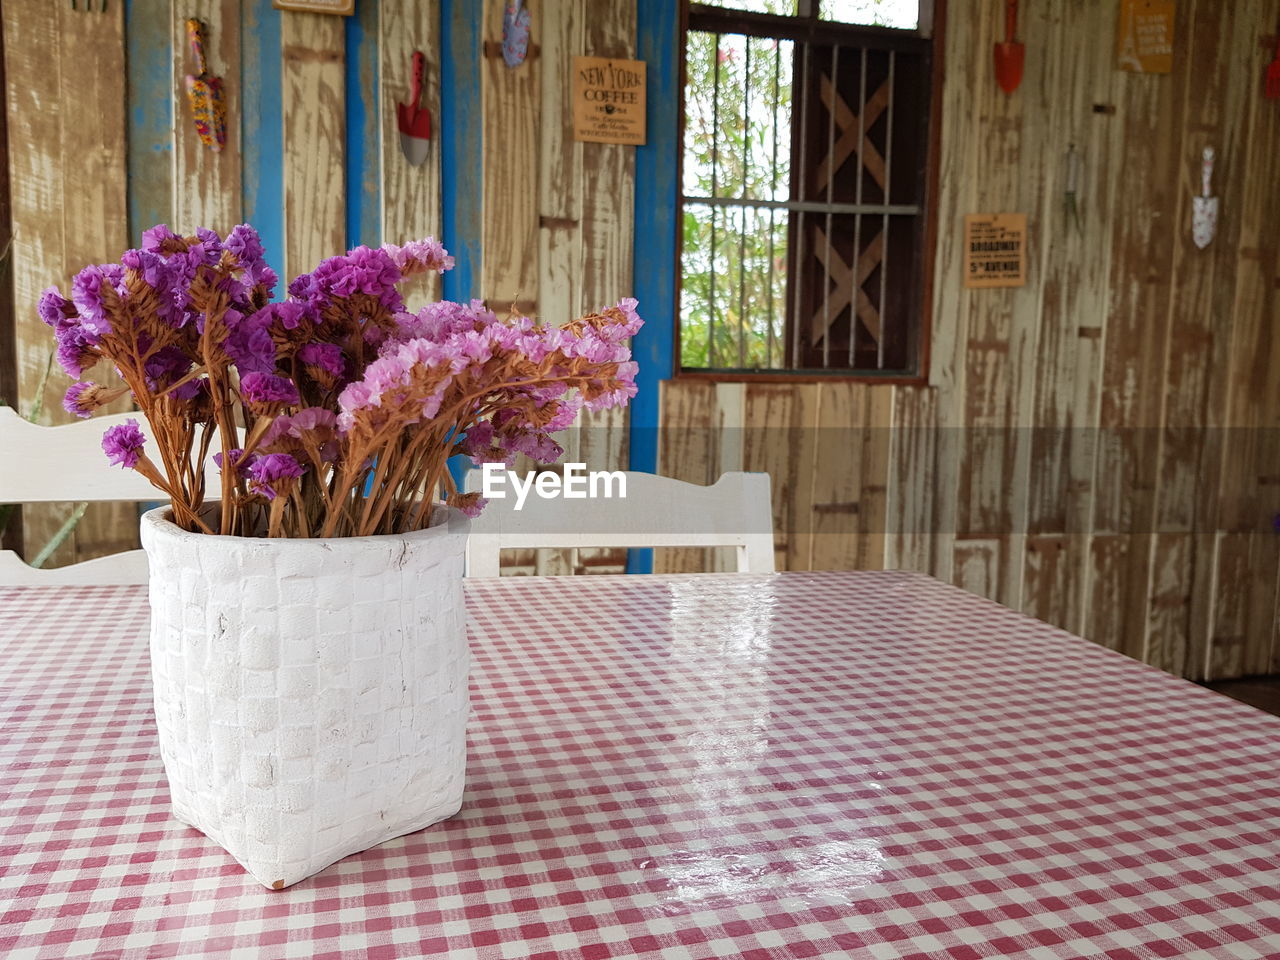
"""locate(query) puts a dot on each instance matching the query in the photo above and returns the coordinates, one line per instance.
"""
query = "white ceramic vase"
(311, 695)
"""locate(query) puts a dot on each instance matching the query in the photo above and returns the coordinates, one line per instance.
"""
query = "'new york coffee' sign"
(608, 100)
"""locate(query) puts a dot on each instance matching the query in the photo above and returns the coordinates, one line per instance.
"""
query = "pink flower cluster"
(333, 411)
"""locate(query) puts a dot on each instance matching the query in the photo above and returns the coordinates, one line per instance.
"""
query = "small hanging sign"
(995, 250)
(1144, 38)
(608, 100)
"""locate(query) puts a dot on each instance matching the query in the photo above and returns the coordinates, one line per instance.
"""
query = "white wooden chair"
(66, 464)
(735, 511)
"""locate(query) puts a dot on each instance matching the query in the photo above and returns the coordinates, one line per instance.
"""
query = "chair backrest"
(66, 464)
(656, 511)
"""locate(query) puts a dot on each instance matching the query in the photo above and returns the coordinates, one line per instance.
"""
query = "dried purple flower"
(419, 255)
(239, 461)
(311, 427)
(249, 343)
(76, 350)
(327, 356)
(471, 504)
(123, 443)
(271, 474)
(55, 309)
(266, 389)
(245, 245)
(159, 238)
(79, 399)
(86, 293)
(192, 311)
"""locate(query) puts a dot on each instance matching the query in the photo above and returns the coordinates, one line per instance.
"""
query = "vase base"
(277, 873)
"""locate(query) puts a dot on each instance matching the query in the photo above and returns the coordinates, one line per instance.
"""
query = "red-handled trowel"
(1010, 55)
(415, 121)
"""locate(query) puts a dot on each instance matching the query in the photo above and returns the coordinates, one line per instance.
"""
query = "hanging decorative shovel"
(1010, 55)
(414, 119)
(515, 33)
(204, 93)
(1204, 208)
(1271, 79)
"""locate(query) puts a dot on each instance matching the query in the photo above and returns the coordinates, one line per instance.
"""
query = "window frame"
(806, 27)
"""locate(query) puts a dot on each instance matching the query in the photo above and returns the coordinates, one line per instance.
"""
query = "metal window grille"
(803, 193)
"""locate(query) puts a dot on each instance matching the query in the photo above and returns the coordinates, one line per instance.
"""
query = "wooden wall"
(312, 159)
(67, 174)
(1099, 447)
(557, 226)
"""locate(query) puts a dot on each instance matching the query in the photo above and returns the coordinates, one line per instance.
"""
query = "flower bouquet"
(308, 642)
(349, 406)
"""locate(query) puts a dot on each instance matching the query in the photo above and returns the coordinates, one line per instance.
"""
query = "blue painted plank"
(461, 143)
(658, 41)
(363, 153)
(262, 128)
(149, 55)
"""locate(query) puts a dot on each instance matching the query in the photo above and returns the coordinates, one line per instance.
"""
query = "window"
(805, 187)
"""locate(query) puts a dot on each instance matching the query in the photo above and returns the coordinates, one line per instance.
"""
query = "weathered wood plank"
(1169, 601)
(1054, 567)
(206, 185)
(11, 533)
(729, 422)
(832, 503)
(686, 452)
(874, 479)
(798, 438)
(1200, 323)
(1074, 264)
(410, 195)
(1146, 159)
(774, 417)
(33, 62)
(509, 231)
(67, 168)
(1248, 471)
(915, 482)
(314, 116)
(977, 565)
(559, 166)
(1143, 157)
(1001, 326)
(559, 203)
(968, 39)
(1226, 653)
(1243, 629)
(1117, 581)
(149, 34)
(95, 216)
(607, 221)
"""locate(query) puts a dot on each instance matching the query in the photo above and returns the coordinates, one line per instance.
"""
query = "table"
(795, 765)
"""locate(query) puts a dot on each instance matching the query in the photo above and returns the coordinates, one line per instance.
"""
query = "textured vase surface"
(311, 695)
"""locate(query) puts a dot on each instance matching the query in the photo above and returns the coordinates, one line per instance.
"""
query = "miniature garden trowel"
(415, 120)
(515, 33)
(1204, 208)
(204, 93)
(1010, 55)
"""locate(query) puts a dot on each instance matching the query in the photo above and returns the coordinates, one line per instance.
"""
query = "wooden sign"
(1144, 38)
(608, 100)
(342, 7)
(995, 250)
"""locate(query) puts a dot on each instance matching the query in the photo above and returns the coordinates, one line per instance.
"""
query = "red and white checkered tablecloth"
(799, 765)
